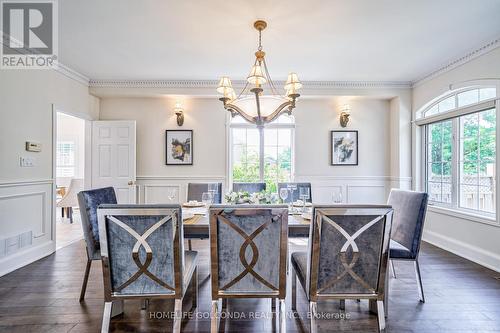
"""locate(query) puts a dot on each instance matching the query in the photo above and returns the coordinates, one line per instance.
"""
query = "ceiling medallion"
(251, 103)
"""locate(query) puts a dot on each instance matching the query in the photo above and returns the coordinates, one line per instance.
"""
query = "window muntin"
(477, 161)
(460, 98)
(466, 144)
(277, 148)
(439, 161)
(65, 159)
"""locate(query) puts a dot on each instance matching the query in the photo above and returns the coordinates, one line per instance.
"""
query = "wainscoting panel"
(370, 189)
(157, 189)
(25, 223)
(361, 194)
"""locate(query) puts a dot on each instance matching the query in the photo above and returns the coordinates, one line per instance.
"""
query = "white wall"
(463, 235)
(26, 103)
(368, 182)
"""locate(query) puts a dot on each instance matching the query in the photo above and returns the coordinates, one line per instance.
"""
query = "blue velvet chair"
(409, 217)
(248, 255)
(143, 256)
(296, 193)
(195, 191)
(88, 201)
(347, 257)
(249, 187)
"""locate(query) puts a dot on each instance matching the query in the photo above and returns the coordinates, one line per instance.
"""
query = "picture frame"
(344, 148)
(179, 147)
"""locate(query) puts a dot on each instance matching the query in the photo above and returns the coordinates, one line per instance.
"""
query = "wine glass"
(283, 194)
(213, 188)
(304, 195)
(207, 198)
(337, 197)
(171, 194)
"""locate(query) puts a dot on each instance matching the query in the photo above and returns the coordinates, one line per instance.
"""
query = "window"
(65, 159)
(268, 159)
(460, 151)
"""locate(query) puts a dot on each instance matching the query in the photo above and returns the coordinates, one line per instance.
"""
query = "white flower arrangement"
(262, 197)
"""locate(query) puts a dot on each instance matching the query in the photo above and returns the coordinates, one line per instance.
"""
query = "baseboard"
(26, 257)
(473, 253)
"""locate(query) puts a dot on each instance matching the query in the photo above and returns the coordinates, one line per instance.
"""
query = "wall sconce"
(179, 111)
(344, 115)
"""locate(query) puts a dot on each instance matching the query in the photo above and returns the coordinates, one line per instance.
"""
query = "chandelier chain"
(260, 40)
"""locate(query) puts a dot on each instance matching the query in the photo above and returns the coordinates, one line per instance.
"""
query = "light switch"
(27, 162)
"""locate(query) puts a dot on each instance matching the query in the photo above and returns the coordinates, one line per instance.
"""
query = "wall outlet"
(27, 162)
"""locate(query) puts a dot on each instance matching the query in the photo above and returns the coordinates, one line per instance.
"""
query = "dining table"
(196, 223)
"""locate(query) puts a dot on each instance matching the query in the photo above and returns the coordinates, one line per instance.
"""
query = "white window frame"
(454, 114)
(247, 125)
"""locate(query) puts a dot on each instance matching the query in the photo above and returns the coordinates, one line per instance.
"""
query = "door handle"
(131, 182)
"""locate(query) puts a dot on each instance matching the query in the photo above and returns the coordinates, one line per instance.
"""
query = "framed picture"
(179, 147)
(344, 147)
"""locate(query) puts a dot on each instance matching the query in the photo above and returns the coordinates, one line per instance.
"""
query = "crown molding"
(72, 73)
(212, 84)
(471, 55)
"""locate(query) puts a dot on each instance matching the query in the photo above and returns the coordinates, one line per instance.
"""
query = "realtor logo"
(29, 34)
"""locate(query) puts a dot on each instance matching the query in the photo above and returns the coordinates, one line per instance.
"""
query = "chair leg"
(178, 315)
(393, 268)
(62, 211)
(419, 282)
(214, 317)
(313, 313)
(194, 289)
(273, 304)
(106, 317)
(380, 316)
(145, 304)
(70, 214)
(282, 318)
(294, 290)
(190, 245)
(85, 280)
(342, 304)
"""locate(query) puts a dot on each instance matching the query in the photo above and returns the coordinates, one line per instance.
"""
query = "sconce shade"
(256, 76)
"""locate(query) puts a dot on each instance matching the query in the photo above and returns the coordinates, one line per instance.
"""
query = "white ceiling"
(332, 40)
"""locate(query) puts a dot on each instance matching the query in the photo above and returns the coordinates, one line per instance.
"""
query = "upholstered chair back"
(88, 201)
(142, 249)
(195, 191)
(249, 187)
(248, 250)
(296, 192)
(348, 251)
(409, 217)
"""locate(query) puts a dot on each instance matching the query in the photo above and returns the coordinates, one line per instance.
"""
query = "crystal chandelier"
(250, 103)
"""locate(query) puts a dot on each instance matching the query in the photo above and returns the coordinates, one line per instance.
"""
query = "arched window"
(459, 152)
(267, 158)
(458, 99)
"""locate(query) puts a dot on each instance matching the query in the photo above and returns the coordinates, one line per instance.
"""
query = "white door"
(113, 158)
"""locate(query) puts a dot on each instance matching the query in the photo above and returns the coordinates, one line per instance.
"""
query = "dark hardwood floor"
(43, 297)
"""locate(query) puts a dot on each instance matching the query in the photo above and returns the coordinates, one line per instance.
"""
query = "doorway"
(70, 174)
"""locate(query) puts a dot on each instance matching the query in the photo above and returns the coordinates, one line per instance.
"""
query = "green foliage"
(477, 139)
(274, 169)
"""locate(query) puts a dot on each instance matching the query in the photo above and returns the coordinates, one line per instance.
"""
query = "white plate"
(187, 215)
(300, 204)
(306, 216)
(193, 204)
